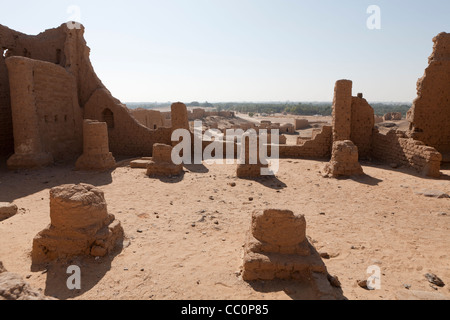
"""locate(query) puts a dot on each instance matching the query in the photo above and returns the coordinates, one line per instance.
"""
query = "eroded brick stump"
(344, 161)
(80, 225)
(161, 163)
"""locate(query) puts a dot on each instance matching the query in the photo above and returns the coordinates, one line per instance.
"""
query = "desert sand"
(185, 235)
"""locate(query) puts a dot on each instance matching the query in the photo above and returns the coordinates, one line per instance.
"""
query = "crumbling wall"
(342, 110)
(46, 116)
(67, 48)
(152, 119)
(362, 123)
(318, 147)
(6, 128)
(126, 136)
(344, 161)
(430, 113)
(46, 46)
(396, 148)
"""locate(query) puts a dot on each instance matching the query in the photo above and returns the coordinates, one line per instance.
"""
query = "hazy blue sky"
(247, 50)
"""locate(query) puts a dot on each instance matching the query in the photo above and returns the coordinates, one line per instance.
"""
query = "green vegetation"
(296, 108)
(306, 109)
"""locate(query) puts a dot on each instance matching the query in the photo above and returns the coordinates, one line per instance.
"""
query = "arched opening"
(108, 117)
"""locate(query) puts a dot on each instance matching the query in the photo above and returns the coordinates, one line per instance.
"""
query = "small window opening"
(58, 56)
(108, 117)
(155, 127)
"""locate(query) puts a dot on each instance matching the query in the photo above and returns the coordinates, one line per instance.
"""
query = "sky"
(247, 50)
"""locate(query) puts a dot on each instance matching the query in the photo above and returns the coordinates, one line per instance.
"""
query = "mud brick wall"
(152, 119)
(430, 113)
(342, 110)
(6, 128)
(45, 110)
(396, 147)
(319, 147)
(126, 135)
(362, 123)
(13, 43)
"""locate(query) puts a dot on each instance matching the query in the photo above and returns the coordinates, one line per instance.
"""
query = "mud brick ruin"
(277, 248)
(250, 163)
(48, 88)
(161, 163)
(96, 155)
(80, 225)
(429, 116)
(344, 160)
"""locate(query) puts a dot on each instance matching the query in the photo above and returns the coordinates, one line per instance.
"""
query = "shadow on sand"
(18, 184)
(197, 168)
(306, 288)
(169, 179)
(271, 182)
(91, 272)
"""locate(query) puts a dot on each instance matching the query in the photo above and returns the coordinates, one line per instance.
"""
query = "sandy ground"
(185, 235)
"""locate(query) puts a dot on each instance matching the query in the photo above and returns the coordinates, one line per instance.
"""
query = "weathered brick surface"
(430, 113)
(344, 160)
(152, 119)
(127, 136)
(396, 147)
(342, 110)
(96, 155)
(318, 147)
(362, 123)
(46, 115)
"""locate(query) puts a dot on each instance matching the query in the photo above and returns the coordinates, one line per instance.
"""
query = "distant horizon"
(262, 102)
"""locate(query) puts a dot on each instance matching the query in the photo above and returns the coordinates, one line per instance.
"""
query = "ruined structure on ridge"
(429, 116)
(47, 87)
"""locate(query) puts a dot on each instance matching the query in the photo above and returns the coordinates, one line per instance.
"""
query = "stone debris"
(434, 279)
(13, 287)
(429, 116)
(433, 194)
